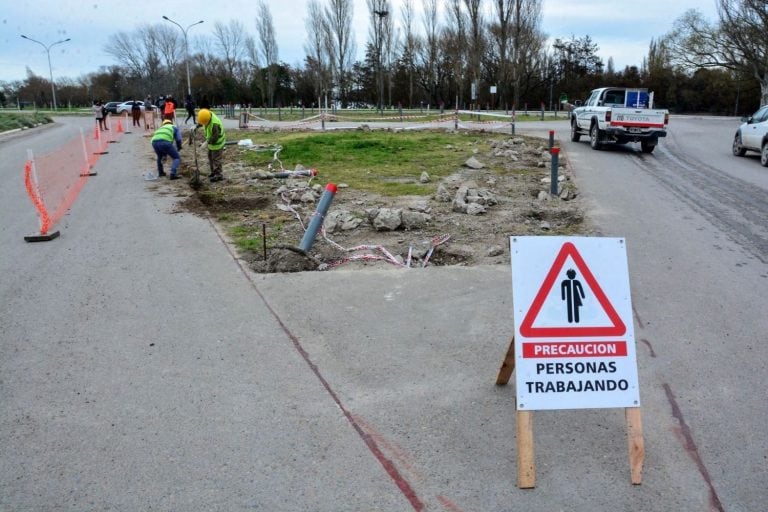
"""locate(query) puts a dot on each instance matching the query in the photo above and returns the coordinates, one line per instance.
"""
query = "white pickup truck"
(619, 115)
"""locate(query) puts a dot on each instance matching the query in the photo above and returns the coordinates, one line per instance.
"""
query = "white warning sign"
(574, 336)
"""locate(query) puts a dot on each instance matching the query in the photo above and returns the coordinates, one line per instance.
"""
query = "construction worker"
(214, 141)
(163, 143)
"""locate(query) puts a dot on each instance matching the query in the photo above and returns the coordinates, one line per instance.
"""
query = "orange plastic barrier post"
(89, 157)
(112, 130)
(30, 183)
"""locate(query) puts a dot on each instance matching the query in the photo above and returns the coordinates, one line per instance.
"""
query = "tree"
(409, 46)
(454, 45)
(230, 40)
(268, 47)
(338, 16)
(318, 62)
(476, 42)
(527, 44)
(430, 51)
(381, 39)
(500, 41)
(738, 42)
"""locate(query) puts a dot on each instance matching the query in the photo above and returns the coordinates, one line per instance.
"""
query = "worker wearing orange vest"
(169, 109)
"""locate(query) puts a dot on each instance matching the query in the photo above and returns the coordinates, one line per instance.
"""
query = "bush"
(12, 121)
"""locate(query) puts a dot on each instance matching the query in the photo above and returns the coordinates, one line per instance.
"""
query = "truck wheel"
(594, 137)
(738, 150)
(647, 146)
(764, 155)
(575, 135)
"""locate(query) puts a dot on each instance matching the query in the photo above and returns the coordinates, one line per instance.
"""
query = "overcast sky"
(621, 28)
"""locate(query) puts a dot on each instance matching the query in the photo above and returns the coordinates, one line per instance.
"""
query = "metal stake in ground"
(196, 170)
(555, 155)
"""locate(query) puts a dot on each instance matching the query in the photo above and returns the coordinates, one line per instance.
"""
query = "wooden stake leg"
(635, 443)
(508, 366)
(526, 461)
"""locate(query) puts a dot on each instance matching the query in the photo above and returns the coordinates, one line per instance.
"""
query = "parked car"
(752, 135)
(111, 106)
(126, 106)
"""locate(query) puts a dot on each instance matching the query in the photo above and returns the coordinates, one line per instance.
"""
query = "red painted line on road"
(690, 445)
(448, 504)
(389, 467)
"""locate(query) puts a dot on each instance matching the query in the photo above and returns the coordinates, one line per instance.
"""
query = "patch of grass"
(15, 120)
(250, 238)
(381, 162)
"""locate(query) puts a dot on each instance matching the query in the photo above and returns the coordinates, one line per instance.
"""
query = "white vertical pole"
(87, 166)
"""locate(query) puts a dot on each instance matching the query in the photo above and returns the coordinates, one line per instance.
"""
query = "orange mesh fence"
(54, 180)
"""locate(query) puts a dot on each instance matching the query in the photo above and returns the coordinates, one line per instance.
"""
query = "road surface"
(142, 367)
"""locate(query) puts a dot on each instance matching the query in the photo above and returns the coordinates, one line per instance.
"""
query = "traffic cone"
(120, 125)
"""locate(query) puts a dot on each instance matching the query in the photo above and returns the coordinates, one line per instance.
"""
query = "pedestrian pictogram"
(572, 291)
(572, 296)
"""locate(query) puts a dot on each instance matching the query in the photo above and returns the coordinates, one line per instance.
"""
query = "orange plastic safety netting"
(54, 180)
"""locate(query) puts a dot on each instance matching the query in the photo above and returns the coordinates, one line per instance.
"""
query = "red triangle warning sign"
(615, 328)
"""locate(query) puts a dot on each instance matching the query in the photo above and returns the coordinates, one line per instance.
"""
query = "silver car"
(752, 135)
(126, 106)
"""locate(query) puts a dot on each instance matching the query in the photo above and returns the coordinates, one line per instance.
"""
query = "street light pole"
(50, 68)
(186, 48)
(379, 44)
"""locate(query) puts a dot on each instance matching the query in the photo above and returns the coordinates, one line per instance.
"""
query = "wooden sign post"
(573, 346)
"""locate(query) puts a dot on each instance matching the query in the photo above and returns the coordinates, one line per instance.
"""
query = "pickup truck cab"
(619, 115)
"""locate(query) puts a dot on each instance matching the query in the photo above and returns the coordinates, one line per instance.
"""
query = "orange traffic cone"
(119, 125)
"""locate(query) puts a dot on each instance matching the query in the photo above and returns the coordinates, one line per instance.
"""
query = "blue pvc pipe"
(317, 218)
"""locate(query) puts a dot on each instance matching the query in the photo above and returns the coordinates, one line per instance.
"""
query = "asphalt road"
(142, 367)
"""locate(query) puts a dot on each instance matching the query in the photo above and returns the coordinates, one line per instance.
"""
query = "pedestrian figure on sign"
(572, 292)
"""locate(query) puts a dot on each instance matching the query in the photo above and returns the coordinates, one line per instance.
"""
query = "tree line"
(481, 54)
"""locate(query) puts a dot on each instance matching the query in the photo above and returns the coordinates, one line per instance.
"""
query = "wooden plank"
(526, 462)
(508, 366)
(635, 443)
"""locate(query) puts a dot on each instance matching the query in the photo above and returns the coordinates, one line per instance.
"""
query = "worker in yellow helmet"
(214, 141)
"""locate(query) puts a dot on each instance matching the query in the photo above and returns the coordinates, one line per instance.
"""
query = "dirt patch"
(463, 219)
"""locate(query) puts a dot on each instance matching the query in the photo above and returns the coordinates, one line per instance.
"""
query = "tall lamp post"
(50, 68)
(379, 44)
(186, 48)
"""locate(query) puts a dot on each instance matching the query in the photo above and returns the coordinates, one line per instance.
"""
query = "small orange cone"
(119, 125)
